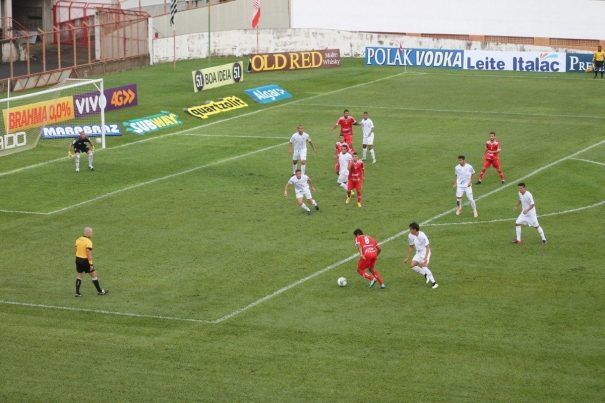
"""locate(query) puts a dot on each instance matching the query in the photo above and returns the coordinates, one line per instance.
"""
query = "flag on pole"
(256, 17)
(172, 11)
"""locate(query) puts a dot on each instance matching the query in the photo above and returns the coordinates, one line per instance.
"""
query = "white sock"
(473, 205)
(418, 270)
(304, 207)
(344, 186)
(302, 168)
(90, 160)
(518, 228)
(313, 202)
(429, 273)
(364, 153)
(541, 232)
(77, 161)
(373, 154)
(293, 169)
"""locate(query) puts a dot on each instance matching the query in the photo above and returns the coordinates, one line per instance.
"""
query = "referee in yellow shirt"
(84, 263)
(597, 60)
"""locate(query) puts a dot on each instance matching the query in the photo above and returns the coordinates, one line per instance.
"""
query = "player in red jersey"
(368, 254)
(346, 123)
(355, 182)
(341, 141)
(492, 157)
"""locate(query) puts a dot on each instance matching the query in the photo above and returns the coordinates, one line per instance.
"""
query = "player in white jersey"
(297, 147)
(343, 166)
(301, 189)
(367, 127)
(528, 215)
(418, 241)
(463, 183)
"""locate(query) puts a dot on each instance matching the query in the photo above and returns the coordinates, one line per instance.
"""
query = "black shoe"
(91, 168)
(478, 183)
(317, 207)
(502, 181)
(78, 295)
(544, 241)
(103, 292)
(308, 212)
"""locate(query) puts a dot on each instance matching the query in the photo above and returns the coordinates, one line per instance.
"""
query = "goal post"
(58, 112)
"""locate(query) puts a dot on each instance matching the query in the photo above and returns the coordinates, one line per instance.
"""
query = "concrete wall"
(244, 42)
(229, 16)
(581, 19)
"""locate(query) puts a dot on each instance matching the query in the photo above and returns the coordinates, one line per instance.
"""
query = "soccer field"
(221, 289)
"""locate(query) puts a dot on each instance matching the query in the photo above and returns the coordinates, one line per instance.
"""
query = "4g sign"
(217, 76)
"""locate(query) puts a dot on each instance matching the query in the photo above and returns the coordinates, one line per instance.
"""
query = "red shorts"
(493, 162)
(352, 184)
(367, 263)
(349, 140)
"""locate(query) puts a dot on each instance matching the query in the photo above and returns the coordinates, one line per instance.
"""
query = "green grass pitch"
(222, 290)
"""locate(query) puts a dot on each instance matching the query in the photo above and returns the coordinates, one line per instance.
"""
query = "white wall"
(243, 43)
(581, 19)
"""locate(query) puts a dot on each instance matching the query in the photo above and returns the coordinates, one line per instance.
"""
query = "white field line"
(149, 182)
(509, 219)
(235, 137)
(135, 315)
(395, 236)
(479, 112)
(315, 274)
(161, 136)
(281, 290)
(590, 161)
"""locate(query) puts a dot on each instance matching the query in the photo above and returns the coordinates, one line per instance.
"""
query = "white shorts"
(419, 257)
(343, 177)
(299, 155)
(368, 140)
(460, 190)
(305, 193)
(530, 219)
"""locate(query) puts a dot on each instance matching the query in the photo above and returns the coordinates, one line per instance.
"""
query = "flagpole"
(209, 32)
(257, 51)
(173, 47)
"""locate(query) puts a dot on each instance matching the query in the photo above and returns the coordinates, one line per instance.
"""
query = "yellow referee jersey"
(83, 244)
(598, 56)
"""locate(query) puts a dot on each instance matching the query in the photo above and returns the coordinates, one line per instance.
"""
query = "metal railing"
(109, 35)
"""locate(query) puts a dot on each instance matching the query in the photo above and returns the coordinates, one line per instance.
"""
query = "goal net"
(60, 112)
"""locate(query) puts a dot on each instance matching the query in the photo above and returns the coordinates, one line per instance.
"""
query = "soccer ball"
(341, 281)
(98, 140)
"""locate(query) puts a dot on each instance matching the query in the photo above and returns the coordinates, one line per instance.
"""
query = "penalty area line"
(496, 220)
(104, 312)
(589, 161)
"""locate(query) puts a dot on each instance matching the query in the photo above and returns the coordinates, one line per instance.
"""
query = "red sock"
(501, 175)
(358, 195)
(365, 275)
(377, 275)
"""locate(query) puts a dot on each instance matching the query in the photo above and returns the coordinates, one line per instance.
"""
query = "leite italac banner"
(545, 62)
(217, 76)
(215, 107)
(148, 124)
(38, 114)
(579, 62)
(115, 98)
(312, 59)
(268, 94)
(445, 58)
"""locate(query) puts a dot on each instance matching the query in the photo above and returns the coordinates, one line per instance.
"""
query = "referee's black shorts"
(598, 65)
(82, 265)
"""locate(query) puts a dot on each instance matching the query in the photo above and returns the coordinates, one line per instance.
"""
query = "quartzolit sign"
(312, 59)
